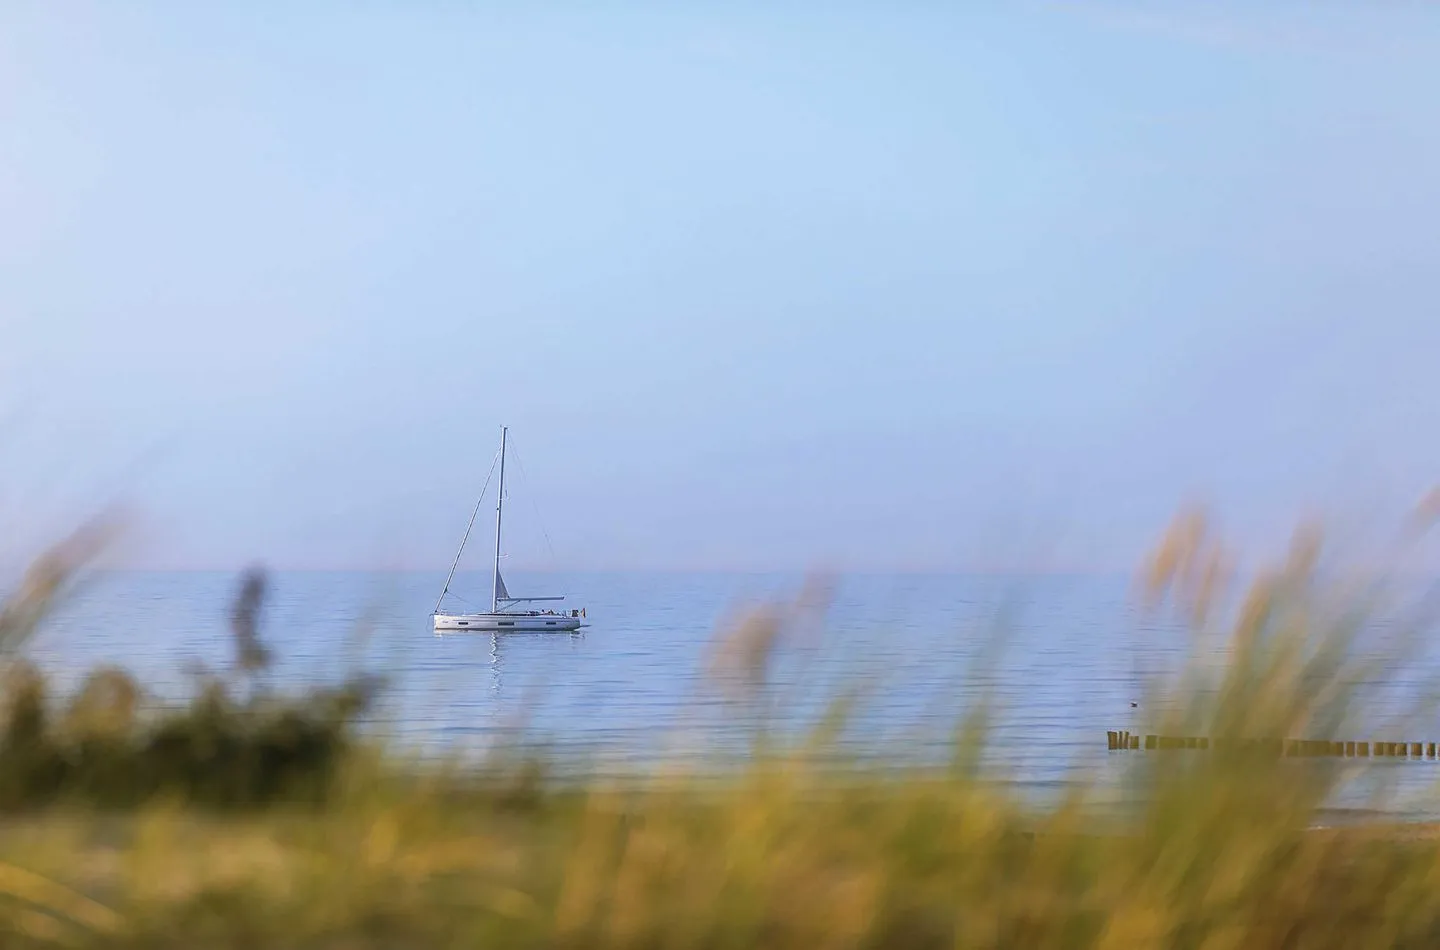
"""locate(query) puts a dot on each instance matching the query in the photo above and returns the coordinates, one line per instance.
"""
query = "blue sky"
(879, 286)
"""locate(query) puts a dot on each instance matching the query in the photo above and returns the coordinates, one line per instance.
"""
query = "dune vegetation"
(251, 819)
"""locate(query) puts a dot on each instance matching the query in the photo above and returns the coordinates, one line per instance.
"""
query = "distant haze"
(872, 286)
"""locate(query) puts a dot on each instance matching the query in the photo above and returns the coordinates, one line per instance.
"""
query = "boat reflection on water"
(495, 654)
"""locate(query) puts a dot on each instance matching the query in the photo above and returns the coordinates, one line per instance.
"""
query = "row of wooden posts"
(1300, 748)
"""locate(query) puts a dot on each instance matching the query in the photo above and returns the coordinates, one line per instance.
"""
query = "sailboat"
(508, 614)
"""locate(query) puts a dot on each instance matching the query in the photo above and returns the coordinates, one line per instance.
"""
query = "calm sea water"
(1062, 657)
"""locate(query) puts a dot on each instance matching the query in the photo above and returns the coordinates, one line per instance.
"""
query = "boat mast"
(499, 509)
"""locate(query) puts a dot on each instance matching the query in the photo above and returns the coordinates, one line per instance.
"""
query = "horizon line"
(641, 569)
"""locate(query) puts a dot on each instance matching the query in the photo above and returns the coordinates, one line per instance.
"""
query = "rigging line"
(467, 603)
(541, 521)
(456, 563)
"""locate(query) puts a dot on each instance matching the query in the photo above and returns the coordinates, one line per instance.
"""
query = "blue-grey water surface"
(1062, 659)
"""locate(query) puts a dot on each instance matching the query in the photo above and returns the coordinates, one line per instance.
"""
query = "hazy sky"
(886, 286)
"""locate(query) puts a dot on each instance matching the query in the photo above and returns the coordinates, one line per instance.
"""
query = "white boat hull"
(508, 623)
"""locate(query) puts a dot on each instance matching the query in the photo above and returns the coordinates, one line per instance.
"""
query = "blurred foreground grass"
(254, 820)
